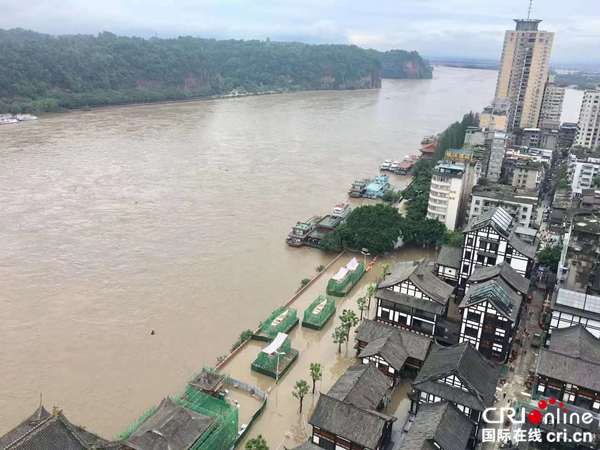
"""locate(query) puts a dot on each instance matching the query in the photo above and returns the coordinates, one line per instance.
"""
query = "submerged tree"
(257, 443)
(339, 337)
(384, 270)
(316, 374)
(362, 303)
(300, 391)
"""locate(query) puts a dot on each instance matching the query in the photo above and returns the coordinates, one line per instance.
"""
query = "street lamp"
(277, 370)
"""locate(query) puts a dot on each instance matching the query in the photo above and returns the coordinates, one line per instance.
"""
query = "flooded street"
(172, 218)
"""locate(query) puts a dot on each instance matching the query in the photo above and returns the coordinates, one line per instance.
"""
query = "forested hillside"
(45, 73)
(403, 64)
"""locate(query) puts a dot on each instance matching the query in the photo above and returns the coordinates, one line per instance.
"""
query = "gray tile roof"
(504, 298)
(450, 256)
(415, 345)
(476, 373)
(307, 446)
(439, 422)
(24, 427)
(171, 426)
(44, 431)
(390, 348)
(410, 301)
(363, 386)
(573, 357)
(365, 427)
(529, 250)
(422, 278)
(497, 218)
(503, 270)
(207, 380)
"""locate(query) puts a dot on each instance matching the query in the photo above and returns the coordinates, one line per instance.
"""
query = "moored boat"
(300, 232)
(346, 278)
(341, 210)
(385, 165)
(377, 187)
(358, 188)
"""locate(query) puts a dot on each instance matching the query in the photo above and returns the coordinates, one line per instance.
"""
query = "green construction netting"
(323, 315)
(271, 328)
(264, 361)
(222, 433)
(338, 287)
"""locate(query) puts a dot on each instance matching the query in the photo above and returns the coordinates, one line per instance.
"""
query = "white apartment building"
(446, 193)
(582, 173)
(521, 204)
(552, 104)
(588, 127)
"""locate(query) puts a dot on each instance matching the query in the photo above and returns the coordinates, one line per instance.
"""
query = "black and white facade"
(575, 308)
(395, 352)
(490, 318)
(569, 369)
(413, 298)
(447, 266)
(491, 239)
(461, 375)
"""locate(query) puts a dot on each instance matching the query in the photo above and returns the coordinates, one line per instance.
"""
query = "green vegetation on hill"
(403, 64)
(45, 73)
(580, 80)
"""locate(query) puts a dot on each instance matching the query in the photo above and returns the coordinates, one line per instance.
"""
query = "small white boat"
(319, 308)
(341, 210)
(279, 320)
(386, 164)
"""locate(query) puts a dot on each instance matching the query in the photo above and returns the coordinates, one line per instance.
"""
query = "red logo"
(535, 416)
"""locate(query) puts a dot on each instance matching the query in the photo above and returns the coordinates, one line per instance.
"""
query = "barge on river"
(379, 186)
(406, 165)
(311, 233)
(357, 189)
(300, 232)
(342, 282)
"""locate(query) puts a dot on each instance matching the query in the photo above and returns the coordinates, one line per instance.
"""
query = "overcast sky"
(465, 28)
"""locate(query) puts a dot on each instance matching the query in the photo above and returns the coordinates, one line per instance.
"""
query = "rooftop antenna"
(529, 9)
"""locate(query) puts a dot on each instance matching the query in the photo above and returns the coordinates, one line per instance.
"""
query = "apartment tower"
(588, 127)
(524, 71)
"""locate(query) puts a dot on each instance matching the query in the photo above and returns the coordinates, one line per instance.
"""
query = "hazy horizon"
(434, 28)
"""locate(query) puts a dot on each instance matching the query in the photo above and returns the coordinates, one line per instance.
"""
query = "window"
(477, 202)
(465, 268)
(469, 241)
(469, 331)
(473, 316)
(524, 208)
(493, 247)
(492, 261)
(480, 259)
(523, 216)
(468, 254)
(482, 245)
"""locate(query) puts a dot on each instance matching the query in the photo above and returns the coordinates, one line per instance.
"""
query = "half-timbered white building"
(572, 308)
(461, 375)
(569, 370)
(447, 266)
(491, 239)
(413, 298)
(396, 352)
(490, 318)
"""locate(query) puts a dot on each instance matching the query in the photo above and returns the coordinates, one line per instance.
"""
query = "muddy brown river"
(172, 218)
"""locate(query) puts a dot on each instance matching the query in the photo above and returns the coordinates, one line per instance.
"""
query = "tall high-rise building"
(588, 127)
(552, 104)
(524, 71)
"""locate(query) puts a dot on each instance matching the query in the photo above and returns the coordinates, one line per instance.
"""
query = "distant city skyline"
(434, 28)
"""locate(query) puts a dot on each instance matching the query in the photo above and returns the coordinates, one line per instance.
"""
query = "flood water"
(172, 218)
